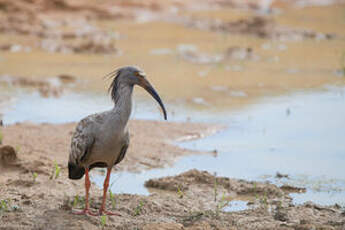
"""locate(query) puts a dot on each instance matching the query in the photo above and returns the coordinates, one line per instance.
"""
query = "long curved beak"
(148, 87)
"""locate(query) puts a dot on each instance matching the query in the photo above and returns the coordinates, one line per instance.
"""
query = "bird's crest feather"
(114, 84)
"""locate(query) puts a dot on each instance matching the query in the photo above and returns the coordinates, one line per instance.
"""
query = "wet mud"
(199, 204)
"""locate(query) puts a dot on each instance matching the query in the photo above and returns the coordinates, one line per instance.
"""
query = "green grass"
(75, 201)
(179, 193)
(56, 171)
(112, 196)
(1, 137)
(4, 206)
(215, 188)
(138, 209)
(221, 204)
(34, 176)
(264, 200)
(112, 199)
(103, 221)
(79, 202)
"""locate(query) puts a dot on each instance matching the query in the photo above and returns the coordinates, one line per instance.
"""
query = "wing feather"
(82, 141)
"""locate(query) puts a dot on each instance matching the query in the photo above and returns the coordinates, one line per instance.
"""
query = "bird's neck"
(123, 103)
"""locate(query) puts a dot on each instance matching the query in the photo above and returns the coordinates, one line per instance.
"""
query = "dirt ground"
(34, 197)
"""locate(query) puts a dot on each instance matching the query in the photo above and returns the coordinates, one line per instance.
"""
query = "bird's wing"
(123, 150)
(82, 141)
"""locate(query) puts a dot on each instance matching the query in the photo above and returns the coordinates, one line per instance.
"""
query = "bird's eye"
(139, 74)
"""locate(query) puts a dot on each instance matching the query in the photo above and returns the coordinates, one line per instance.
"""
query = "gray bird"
(102, 139)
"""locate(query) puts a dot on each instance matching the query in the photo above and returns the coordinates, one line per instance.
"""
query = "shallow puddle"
(236, 206)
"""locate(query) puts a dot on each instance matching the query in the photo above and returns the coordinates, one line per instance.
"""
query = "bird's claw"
(84, 212)
(108, 213)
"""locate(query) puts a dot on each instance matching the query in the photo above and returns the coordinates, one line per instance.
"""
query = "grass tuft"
(221, 204)
(34, 176)
(112, 199)
(215, 188)
(103, 220)
(56, 171)
(75, 201)
(138, 209)
(179, 193)
(1, 137)
(4, 206)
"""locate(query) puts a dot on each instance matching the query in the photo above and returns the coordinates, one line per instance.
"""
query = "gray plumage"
(102, 139)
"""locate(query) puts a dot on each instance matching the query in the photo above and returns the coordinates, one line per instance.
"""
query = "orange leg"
(105, 189)
(86, 210)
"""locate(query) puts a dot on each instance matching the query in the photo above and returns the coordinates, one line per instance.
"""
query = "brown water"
(279, 66)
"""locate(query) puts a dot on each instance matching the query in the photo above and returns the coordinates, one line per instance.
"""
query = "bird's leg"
(105, 189)
(87, 188)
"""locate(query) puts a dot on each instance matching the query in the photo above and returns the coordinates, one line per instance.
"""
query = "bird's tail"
(75, 172)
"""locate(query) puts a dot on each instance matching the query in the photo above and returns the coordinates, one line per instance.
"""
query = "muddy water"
(159, 48)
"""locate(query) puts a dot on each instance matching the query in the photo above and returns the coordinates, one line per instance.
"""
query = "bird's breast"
(106, 149)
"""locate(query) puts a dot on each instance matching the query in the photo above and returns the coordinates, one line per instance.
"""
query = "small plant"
(138, 209)
(34, 176)
(112, 198)
(56, 171)
(75, 201)
(17, 148)
(221, 204)
(264, 200)
(179, 193)
(215, 188)
(3, 205)
(103, 220)
(1, 137)
(79, 202)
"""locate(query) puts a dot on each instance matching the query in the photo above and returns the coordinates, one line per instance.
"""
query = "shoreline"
(36, 197)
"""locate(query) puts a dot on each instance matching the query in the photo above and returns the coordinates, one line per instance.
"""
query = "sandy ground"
(33, 198)
(151, 144)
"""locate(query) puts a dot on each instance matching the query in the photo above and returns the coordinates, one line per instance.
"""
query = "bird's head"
(130, 76)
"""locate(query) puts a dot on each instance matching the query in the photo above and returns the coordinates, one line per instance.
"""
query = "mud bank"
(148, 150)
(199, 204)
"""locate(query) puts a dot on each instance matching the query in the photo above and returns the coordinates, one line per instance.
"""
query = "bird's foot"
(84, 212)
(108, 213)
